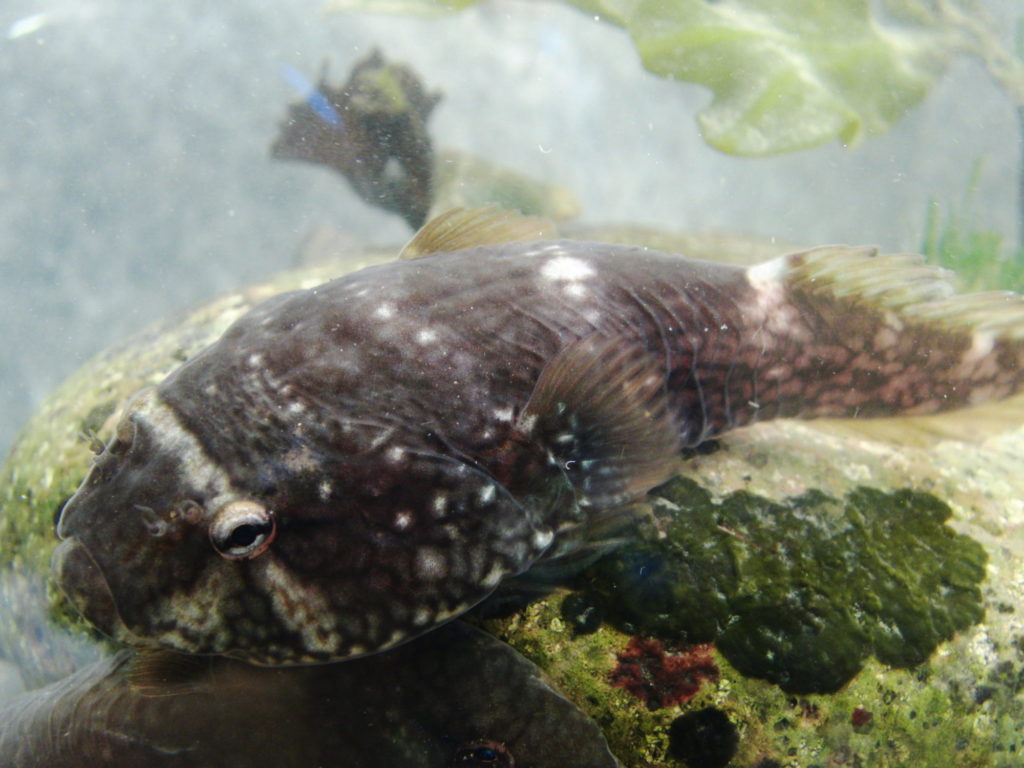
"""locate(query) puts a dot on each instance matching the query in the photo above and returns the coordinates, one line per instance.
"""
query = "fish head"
(342, 554)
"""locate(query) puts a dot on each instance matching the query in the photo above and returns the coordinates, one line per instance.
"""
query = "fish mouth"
(84, 585)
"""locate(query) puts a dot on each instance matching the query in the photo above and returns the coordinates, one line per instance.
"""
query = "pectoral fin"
(601, 410)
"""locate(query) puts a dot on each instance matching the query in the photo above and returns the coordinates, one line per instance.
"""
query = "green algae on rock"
(964, 705)
(798, 593)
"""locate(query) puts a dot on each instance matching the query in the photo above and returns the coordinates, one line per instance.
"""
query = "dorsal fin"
(467, 227)
(902, 282)
(601, 410)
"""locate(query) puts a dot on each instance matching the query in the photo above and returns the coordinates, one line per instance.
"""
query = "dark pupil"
(483, 756)
(244, 535)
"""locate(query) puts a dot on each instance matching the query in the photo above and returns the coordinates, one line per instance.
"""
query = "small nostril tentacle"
(156, 526)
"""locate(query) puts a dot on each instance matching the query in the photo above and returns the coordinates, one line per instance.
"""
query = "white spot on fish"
(502, 414)
(426, 336)
(771, 271)
(440, 505)
(396, 637)
(380, 439)
(395, 454)
(493, 577)
(575, 290)
(885, 338)
(430, 564)
(301, 459)
(255, 360)
(421, 618)
(324, 490)
(982, 344)
(542, 539)
(385, 310)
(402, 520)
(566, 268)
(486, 494)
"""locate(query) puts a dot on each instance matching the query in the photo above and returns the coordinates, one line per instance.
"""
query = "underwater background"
(136, 180)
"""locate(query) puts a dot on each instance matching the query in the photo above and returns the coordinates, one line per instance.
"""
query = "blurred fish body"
(353, 465)
(430, 704)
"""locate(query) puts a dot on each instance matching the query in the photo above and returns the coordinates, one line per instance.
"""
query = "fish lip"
(82, 582)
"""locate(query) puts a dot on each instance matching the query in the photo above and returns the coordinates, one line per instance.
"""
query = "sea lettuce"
(788, 74)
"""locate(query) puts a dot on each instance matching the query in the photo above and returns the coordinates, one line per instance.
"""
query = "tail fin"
(845, 332)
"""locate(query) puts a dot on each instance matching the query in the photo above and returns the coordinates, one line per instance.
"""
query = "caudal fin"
(846, 332)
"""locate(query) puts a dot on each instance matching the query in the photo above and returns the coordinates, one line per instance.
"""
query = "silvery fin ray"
(458, 698)
(352, 465)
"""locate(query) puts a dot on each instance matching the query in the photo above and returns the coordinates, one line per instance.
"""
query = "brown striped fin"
(955, 361)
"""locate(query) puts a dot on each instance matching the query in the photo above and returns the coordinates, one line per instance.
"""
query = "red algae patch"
(661, 679)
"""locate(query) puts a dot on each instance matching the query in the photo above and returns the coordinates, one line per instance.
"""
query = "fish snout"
(86, 588)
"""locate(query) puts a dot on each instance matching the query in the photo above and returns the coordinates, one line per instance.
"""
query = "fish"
(459, 699)
(351, 466)
(313, 96)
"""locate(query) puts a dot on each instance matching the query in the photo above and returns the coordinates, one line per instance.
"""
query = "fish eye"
(481, 754)
(242, 529)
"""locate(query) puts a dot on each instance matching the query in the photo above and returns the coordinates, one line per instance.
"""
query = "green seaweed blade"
(788, 74)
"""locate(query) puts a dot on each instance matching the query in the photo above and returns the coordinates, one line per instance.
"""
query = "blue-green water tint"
(136, 180)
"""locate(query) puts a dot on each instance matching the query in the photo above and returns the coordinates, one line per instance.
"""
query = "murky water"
(137, 181)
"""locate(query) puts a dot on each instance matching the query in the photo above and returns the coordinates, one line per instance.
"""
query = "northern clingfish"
(352, 465)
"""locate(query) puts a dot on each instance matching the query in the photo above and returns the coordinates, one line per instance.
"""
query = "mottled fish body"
(351, 465)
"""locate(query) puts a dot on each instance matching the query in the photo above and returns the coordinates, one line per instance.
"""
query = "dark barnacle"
(703, 739)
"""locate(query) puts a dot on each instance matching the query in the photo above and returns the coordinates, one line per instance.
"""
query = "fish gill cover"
(799, 593)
